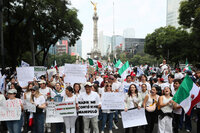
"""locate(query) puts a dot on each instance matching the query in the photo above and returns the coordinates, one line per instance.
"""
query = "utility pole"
(1, 32)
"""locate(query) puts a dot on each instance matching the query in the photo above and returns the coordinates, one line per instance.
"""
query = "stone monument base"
(95, 55)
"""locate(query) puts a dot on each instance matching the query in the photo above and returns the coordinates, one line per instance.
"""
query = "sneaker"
(119, 116)
(114, 125)
(102, 131)
(48, 130)
(110, 131)
(187, 130)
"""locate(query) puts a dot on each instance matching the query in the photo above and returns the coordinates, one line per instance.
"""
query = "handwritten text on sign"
(87, 108)
(51, 115)
(66, 108)
(113, 100)
(10, 110)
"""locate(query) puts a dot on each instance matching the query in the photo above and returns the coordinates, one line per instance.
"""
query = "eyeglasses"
(33, 90)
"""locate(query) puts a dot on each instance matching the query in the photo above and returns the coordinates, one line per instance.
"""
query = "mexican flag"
(99, 64)
(187, 67)
(124, 70)
(118, 64)
(91, 62)
(187, 95)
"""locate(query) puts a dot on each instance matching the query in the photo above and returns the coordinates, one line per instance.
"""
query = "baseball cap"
(88, 84)
(42, 82)
(12, 91)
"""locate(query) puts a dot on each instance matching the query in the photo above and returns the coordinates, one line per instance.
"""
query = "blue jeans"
(109, 117)
(38, 122)
(15, 126)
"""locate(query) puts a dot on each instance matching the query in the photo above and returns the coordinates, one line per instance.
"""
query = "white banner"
(10, 110)
(61, 70)
(133, 118)
(88, 108)
(24, 75)
(75, 73)
(66, 108)
(51, 115)
(39, 71)
(113, 101)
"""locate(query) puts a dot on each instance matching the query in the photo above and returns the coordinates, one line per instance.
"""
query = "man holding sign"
(89, 95)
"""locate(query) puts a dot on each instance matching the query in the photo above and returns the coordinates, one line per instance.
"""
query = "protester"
(14, 126)
(165, 116)
(38, 117)
(126, 84)
(89, 95)
(150, 105)
(132, 100)
(178, 110)
(143, 93)
(107, 114)
(79, 120)
(144, 81)
(44, 90)
(57, 96)
(70, 120)
(27, 98)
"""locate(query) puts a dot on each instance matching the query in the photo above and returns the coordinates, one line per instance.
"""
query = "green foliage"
(169, 43)
(41, 22)
(189, 17)
(61, 59)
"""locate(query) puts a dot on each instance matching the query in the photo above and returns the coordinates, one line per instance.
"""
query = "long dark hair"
(129, 90)
(78, 86)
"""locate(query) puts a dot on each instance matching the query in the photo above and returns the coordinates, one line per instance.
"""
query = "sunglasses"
(108, 85)
(32, 90)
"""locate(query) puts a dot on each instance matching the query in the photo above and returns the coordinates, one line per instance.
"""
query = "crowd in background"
(153, 90)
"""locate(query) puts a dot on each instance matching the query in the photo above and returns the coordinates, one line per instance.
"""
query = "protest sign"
(75, 73)
(51, 72)
(51, 115)
(88, 108)
(24, 75)
(133, 118)
(10, 110)
(29, 106)
(113, 100)
(61, 70)
(39, 71)
(66, 108)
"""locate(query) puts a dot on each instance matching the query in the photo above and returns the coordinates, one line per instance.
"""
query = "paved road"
(140, 130)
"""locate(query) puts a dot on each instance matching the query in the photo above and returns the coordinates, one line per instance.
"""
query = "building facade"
(173, 12)
(134, 45)
(129, 33)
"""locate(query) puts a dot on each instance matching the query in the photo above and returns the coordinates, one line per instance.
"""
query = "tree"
(33, 24)
(189, 18)
(169, 43)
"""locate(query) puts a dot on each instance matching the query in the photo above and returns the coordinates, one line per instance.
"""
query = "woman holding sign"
(107, 114)
(150, 104)
(70, 120)
(14, 126)
(38, 117)
(132, 100)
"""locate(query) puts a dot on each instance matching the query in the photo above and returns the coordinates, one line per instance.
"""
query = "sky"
(142, 15)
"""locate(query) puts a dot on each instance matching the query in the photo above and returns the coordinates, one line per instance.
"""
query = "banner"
(75, 73)
(88, 108)
(10, 110)
(24, 75)
(66, 108)
(113, 101)
(133, 118)
(51, 115)
(39, 71)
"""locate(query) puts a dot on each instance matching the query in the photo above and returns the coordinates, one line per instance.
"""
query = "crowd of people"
(152, 91)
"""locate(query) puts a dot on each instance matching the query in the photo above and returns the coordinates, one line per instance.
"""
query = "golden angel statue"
(95, 6)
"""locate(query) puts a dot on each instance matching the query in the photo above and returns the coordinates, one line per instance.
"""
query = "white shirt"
(125, 86)
(178, 76)
(53, 93)
(2, 97)
(39, 100)
(116, 85)
(73, 98)
(147, 84)
(45, 91)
